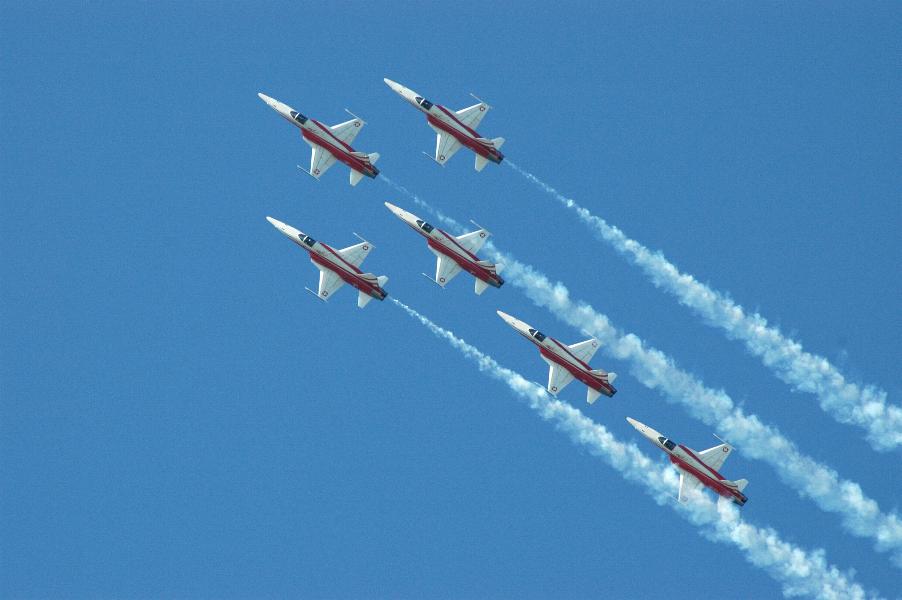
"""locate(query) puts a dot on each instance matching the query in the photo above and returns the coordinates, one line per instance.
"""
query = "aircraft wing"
(329, 282)
(445, 269)
(558, 377)
(320, 161)
(689, 484)
(472, 115)
(347, 131)
(472, 242)
(445, 147)
(356, 253)
(584, 350)
(716, 456)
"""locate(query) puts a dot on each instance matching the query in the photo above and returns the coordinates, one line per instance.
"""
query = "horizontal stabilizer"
(382, 279)
(481, 162)
(498, 142)
(374, 156)
(592, 395)
(498, 267)
(612, 377)
(480, 286)
(741, 483)
(356, 176)
(363, 299)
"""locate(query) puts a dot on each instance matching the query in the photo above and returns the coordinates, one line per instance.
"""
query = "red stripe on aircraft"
(692, 454)
(332, 135)
(339, 257)
(467, 141)
(567, 350)
(470, 267)
(454, 241)
(348, 159)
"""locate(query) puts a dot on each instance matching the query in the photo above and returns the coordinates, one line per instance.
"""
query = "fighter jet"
(567, 362)
(697, 469)
(329, 143)
(454, 254)
(337, 267)
(454, 129)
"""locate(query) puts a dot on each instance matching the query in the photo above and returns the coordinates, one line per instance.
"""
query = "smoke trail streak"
(860, 515)
(846, 402)
(800, 572)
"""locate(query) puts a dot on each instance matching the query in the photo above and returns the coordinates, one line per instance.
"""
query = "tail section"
(481, 162)
(610, 376)
(741, 483)
(498, 142)
(592, 395)
(480, 286)
(356, 176)
(382, 280)
(373, 156)
(363, 299)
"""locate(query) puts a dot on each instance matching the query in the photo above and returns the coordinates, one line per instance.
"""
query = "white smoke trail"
(848, 403)
(800, 572)
(860, 515)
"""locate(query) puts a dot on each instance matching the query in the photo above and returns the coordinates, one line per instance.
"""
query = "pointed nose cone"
(512, 321)
(393, 84)
(645, 430)
(270, 101)
(284, 228)
(280, 107)
(402, 214)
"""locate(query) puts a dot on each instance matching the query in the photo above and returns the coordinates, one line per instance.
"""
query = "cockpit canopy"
(425, 226)
(537, 334)
(666, 443)
(298, 117)
(307, 239)
(423, 102)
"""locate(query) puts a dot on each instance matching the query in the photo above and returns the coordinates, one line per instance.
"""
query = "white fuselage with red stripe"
(327, 257)
(561, 355)
(687, 460)
(315, 132)
(444, 119)
(446, 244)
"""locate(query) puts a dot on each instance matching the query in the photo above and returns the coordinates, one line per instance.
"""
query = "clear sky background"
(179, 418)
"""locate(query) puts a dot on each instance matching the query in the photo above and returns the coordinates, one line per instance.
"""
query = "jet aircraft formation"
(456, 130)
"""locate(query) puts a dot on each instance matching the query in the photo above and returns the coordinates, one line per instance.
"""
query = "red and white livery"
(337, 267)
(567, 362)
(697, 469)
(454, 253)
(454, 128)
(329, 143)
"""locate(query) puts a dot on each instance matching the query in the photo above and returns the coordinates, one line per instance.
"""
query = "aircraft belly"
(464, 263)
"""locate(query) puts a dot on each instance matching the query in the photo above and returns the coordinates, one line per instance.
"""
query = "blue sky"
(180, 418)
